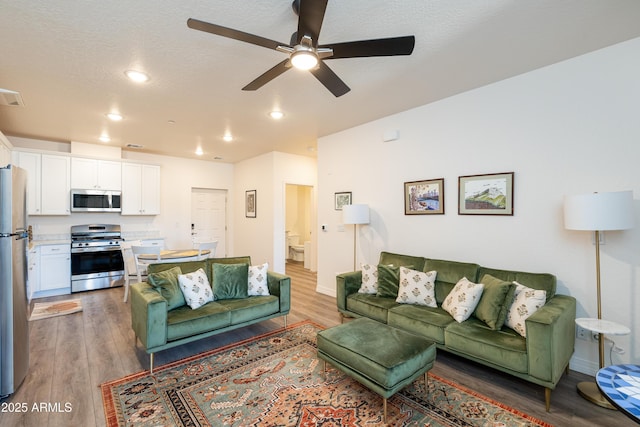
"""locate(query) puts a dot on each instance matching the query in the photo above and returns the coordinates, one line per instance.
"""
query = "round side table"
(620, 384)
(589, 390)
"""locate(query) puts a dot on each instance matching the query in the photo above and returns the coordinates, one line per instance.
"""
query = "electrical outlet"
(595, 336)
(583, 334)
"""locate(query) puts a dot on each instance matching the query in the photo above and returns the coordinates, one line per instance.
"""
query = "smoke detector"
(11, 98)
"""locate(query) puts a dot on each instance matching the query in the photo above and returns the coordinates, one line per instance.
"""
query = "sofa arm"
(347, 284)
(280, 285)
(148, 315)
(551, 338)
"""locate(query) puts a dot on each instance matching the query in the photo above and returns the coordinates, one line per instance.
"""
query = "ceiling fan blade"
(374, 47)
(233, 34)
(330, 80)
(268, 75)
(310, 19)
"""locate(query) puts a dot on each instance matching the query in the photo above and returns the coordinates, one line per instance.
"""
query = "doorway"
(298, 224)
(209, 217)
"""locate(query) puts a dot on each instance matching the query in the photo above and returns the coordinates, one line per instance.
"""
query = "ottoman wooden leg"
(384, 409)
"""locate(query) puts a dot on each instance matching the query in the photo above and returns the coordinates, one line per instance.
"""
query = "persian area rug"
(45, 310)
(276, 380)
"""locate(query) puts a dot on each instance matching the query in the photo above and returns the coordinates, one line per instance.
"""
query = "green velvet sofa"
(159, 326)
(541, 358)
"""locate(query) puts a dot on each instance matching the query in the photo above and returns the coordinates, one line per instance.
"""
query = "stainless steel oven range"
(96, 260)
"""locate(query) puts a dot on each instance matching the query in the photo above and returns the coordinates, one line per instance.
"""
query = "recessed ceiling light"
(199, 151)
(276, 115)
(104, 138)
(137, 76)
(114, 117)
(227, 137)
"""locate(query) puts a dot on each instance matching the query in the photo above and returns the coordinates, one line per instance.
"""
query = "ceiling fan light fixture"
(304, 58)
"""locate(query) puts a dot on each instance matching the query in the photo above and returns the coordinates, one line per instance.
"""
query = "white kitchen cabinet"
(88, 174)
(50, 270)
(48, 182)
(55, 185)
(141, 192)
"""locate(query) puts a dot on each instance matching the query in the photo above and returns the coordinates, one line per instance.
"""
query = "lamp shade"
(599, 211)
(355, 214)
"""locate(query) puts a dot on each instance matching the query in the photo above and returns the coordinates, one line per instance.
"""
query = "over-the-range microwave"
(96, 201)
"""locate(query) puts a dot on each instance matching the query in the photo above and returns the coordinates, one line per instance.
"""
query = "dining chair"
(141, 265)
(202, 246)
(129, 263)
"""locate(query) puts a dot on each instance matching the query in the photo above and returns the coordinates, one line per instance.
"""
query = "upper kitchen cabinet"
(48, 182)
(89, 174)
(141, 193)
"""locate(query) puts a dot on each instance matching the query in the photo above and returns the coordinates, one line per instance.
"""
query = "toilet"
(296, 250)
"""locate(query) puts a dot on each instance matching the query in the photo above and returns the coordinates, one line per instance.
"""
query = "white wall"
(569, 128)
(263, 237)
(177, 177)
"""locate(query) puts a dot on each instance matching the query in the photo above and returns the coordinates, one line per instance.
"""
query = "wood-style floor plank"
(72, 355)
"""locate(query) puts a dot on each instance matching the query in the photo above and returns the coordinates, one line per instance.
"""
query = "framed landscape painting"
(490, 194)
(250, 203)
(424, 197)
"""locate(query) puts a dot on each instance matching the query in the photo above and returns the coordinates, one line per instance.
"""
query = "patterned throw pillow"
(369, 279)
(526, 302)
(417, 287)
(463, 299)
(195, 288)
(258, 280)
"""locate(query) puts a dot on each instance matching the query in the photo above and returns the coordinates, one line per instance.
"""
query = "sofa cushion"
(258, 284)
(369, 283)
(370, 306)
(245, 309)
(417, 287)
(449, 273)
(185, 322)
(425, 321)
(493, 306)
(526, 302)
(542, 281)
(463, 299)
(474, 339)
(388, 281)
(195, 288)
(388, 258)
(230, 281)
(166, 282)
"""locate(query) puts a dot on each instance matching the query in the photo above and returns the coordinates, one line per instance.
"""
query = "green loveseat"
(542, 357)
(159, 326)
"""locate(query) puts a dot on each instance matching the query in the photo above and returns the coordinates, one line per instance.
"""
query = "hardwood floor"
(72, 355)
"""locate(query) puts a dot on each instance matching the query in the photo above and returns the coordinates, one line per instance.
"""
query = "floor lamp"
(355, 214)
(598, 212)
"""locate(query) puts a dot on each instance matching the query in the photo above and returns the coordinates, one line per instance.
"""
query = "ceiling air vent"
(11, 98)
(135, 146)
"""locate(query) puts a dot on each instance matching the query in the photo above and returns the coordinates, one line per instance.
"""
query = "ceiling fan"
(305, 52)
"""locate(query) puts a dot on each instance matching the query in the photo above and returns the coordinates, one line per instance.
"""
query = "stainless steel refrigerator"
(14, 325)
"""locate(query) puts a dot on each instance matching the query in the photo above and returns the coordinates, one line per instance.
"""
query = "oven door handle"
(95, 249)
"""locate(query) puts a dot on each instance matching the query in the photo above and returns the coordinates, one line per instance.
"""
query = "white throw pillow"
(195, 288)
(526, 301)
(417, 287)
(369, 279)
(463, 299)
(258, 280)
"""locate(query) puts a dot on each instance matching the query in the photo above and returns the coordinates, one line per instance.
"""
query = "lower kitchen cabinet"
(49, 270)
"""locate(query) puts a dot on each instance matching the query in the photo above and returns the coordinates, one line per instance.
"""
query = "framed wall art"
(490, 194)
(424, 197)
(341, 199)
(250, 203)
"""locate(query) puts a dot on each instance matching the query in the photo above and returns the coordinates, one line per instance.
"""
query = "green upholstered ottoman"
(382, 358)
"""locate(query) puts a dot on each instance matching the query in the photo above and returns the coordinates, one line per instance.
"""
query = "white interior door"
(209, 217)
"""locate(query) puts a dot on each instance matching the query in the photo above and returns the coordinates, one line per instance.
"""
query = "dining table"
(174, 255)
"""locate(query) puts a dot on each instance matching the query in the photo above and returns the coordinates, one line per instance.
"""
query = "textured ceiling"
(67, 59)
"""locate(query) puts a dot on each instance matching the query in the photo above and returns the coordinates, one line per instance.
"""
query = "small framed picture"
(424, 197)
(341, 199)
(250, 203)
(490, 194)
